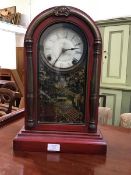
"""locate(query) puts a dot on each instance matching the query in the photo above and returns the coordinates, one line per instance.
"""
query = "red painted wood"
(71, 142)
(61, 127)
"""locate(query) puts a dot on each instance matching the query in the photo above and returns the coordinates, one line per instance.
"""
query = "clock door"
(62, 66)
(62, 60)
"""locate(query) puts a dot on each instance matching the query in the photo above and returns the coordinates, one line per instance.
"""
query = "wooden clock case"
(74, 138)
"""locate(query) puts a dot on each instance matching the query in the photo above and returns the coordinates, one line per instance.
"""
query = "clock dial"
(62, 46)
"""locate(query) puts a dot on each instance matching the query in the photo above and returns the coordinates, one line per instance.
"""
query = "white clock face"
(63, 46)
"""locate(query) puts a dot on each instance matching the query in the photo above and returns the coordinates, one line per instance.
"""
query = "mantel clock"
(62, 62)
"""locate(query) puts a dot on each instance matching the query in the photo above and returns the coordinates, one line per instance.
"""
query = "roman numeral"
(77, 44)
(73, 37)
(74, 61)
(66, 34)
(78, 52)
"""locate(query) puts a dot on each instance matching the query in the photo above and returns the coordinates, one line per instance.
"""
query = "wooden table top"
(117, 160)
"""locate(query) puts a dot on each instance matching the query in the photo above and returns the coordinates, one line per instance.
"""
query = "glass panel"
(62, 90)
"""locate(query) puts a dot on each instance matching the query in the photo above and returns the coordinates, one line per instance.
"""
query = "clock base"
(54, 141)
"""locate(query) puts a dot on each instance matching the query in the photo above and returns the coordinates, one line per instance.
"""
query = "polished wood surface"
(117, 161)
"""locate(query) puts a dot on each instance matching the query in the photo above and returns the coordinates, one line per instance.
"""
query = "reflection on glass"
(61, 74)
(61, 97)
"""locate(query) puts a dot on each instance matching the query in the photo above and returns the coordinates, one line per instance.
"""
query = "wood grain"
(116, 162)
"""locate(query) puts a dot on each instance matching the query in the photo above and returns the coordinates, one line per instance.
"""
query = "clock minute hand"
(73, 48)
(62, 51)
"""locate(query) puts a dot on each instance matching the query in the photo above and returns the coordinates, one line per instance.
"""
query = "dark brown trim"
(8, 118)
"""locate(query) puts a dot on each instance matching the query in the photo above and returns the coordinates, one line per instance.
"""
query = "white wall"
(8, 50)
(10, 37)
(97, 9)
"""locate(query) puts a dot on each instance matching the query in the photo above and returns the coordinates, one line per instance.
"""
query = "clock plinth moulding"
(63, 63)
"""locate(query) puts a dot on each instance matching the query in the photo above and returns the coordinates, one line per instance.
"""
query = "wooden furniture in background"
(116, 162)
(11, 85)
(5, 74)
(18, 81)
(10, 103)
(20, 86)
(8, 75)
(116, 71)
(7, 99)
(12, 116)
(12, 74)
(20, 62)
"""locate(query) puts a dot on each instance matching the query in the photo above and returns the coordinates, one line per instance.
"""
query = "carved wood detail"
(29, 85)
(95, 87)
(62, 11)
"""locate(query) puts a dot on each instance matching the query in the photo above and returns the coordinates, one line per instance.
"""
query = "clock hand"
(73, 48)
(62, 51)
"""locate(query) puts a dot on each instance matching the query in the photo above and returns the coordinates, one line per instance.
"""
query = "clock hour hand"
(63, 51)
